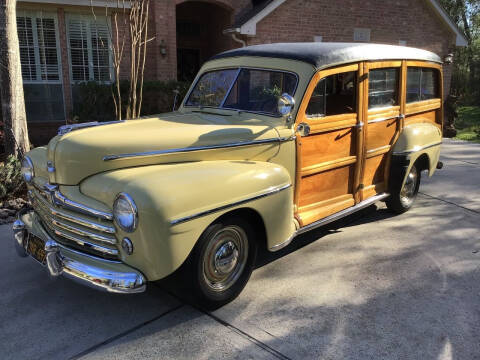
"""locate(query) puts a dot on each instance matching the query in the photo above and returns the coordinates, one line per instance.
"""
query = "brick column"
(166, 28)
(67, 92)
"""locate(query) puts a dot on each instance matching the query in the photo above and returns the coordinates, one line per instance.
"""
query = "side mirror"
(285, 104)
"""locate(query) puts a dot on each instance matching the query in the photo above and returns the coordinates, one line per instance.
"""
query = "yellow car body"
(184, 170)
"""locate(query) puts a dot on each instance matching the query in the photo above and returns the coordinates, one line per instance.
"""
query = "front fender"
(176, 202)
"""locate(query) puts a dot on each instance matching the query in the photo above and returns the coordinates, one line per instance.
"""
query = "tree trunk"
(11, 84)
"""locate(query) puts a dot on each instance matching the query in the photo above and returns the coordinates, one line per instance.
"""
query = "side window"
(334, 95)
(383, 87)
(422, 84)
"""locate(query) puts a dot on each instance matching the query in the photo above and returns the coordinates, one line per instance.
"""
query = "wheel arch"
(253, 217)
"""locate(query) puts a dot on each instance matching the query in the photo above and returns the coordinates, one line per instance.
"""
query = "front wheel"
(222, 262)
(402, 197)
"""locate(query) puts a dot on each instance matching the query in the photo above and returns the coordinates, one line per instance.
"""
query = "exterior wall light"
(163, 48)
(448, 59)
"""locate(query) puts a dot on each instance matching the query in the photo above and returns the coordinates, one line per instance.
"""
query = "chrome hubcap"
(408, 191)
(225, 258)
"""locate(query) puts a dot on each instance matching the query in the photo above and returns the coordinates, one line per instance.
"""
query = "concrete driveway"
(373, 286)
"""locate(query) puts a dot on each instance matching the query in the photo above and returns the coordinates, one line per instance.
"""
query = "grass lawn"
(468, 121)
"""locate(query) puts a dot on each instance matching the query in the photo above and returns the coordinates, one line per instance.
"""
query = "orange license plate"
(36, 249)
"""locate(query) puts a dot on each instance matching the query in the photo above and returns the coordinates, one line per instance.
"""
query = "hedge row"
(94, 102)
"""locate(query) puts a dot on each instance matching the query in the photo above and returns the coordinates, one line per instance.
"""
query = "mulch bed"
(9, 208)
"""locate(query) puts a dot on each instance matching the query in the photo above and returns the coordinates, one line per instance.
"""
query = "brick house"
(62, 43)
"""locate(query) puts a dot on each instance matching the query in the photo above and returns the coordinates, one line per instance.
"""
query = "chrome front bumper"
(111, 276)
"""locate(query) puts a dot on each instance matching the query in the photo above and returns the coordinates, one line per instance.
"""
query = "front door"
(329, 155)
(188, 64)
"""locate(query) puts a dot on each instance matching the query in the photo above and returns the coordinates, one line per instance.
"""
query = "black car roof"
(322, 55)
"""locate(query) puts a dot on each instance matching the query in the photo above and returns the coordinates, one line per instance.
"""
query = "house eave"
(94, 3)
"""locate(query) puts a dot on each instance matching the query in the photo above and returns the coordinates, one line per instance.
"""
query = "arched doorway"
(200, 35)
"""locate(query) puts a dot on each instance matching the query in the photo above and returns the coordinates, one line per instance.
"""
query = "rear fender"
(415, 141)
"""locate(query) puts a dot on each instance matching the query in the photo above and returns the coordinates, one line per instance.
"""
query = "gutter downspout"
(235, 38)
(234, 33)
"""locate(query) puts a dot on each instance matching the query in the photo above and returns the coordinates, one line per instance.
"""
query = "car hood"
(179, 137)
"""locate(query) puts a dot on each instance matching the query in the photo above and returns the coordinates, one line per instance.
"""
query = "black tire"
(401, 198)
(213, 258)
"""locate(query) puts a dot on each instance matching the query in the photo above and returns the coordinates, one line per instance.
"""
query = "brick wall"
(389, 21)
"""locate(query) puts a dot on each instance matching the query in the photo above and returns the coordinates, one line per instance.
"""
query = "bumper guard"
(88, 270)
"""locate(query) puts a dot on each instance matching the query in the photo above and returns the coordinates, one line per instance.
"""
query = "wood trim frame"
(431, 104)
(323, 124)
(301, 117)
(391, 113)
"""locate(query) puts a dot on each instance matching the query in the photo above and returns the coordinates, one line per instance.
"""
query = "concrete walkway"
(373, 286)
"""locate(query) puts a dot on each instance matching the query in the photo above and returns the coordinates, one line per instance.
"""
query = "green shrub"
(94, 102)
(11, 180)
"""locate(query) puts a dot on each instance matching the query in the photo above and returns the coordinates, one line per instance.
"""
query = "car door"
(329, 139)
(384, 115)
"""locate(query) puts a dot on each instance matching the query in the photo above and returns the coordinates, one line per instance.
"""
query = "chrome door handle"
(303, 129)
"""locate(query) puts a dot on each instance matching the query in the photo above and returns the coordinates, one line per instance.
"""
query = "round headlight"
(125, 212)
(27, 169)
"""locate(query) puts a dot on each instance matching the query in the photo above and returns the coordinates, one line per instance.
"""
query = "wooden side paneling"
(425, 117)
(423, 106)
(327, 146)
(326, 185)
(381, 133)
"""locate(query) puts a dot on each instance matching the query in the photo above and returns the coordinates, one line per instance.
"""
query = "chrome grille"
(75, 229)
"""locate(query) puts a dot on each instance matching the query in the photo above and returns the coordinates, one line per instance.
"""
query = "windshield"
(242, 89)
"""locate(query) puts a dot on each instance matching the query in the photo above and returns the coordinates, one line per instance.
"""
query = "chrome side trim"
(65, 129)
(198, 148)
(272, 191)
(74, 219)
(414, 150)
(330, 219)
(382, 119)
(99, 273)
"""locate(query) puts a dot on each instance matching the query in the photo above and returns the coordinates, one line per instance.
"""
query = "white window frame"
(34, 15)
(89, 20)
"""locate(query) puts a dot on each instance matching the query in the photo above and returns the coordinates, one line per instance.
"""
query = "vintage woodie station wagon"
(271, 141)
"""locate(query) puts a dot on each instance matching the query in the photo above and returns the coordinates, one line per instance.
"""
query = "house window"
(334, 95)
(40, 61)
(383, 87)
(89, 49)
(422, 84)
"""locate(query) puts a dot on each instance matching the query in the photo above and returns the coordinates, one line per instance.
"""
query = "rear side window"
(334, 95)
(383, 85)
(422, 84)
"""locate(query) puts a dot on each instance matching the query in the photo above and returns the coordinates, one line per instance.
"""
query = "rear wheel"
(402, 198)
(222, 261)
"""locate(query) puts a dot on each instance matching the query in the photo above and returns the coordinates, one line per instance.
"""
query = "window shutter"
(77, 33)
(27, 48)
(100, 51)
(89, 42)
(47, 48)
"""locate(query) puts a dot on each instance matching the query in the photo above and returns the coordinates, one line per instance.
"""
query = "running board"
(329, 219)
